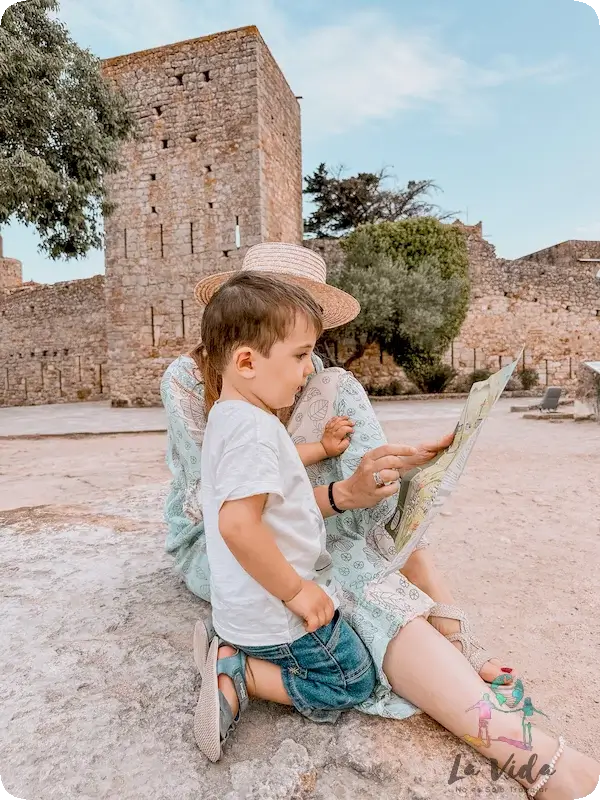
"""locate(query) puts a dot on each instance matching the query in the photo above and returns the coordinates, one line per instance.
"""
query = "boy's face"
(277, 379)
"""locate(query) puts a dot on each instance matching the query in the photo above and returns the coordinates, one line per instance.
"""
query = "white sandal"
(472, 650)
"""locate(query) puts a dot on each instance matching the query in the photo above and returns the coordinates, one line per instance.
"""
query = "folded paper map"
(424, 489)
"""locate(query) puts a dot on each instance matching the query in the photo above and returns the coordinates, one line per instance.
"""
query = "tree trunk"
(359, 352)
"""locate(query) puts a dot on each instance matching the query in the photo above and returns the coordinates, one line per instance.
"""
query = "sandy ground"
(98, 686)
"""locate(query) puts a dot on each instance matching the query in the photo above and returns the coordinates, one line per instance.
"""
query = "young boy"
(273, 593)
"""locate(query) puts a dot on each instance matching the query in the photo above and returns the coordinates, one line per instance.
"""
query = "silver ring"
(378, 481)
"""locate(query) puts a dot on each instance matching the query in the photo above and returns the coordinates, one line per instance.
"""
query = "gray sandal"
(214, 720)
(475, 654)
(203, 636)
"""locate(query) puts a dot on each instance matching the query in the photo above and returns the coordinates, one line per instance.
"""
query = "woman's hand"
(425, 452)
(361, 489)
(391, 461)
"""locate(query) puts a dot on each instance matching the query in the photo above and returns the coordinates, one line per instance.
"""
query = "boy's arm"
(333, 442)
(253, 546)
(311, 453)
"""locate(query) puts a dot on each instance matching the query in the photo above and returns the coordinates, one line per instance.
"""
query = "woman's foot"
(492, 669)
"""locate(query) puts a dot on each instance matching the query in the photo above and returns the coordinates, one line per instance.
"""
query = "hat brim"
(339, 307)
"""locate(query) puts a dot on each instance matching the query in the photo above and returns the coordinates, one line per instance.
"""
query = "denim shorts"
(324, 672)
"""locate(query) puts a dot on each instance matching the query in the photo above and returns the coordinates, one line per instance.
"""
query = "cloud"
(595, 4)
(359, 70)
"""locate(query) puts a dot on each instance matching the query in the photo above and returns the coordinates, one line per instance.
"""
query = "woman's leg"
(422, 666)
(421, 570)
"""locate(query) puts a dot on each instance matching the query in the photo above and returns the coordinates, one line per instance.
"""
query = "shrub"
(431, 377)
(393, 388)
(529, 378)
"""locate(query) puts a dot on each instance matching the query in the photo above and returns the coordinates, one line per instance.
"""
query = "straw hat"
(296, 264)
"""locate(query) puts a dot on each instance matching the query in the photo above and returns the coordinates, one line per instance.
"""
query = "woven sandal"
(214, 721)
(475, 654)
(203, 636)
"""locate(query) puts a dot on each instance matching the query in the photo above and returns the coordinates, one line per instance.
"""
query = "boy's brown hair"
(250, 309)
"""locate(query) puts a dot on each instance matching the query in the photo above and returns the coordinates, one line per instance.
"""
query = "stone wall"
(214, 169)
(280, 153)
(53, 343)
(11, 271)
(547, 301)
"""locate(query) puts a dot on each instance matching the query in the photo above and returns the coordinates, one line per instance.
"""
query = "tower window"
(159, 110)
(179, 79)
(206, 76)
(165, 144)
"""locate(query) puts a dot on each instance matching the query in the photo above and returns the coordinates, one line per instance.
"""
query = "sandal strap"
(235, 668)
(472, 650)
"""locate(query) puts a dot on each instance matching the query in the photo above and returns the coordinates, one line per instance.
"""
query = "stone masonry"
(214, 169)
(53, 343)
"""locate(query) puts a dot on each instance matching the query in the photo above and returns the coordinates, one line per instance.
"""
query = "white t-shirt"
(246, 452)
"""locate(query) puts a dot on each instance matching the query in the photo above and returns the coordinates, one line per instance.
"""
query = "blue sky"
(497, 102)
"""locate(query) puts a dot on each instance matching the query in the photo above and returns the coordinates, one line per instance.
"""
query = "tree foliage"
(61, 124)
(411, 279)
(345, 203)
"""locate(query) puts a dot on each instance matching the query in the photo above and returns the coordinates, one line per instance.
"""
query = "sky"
(496, 102)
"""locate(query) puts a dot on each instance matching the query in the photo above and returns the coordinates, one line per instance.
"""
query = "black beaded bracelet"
(332, 501)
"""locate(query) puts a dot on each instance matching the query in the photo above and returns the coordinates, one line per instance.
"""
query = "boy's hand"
(313, 605)
(335, 436)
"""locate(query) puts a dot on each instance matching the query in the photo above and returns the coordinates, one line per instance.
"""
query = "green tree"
(411, 279)
(345, 203)
(61, 124)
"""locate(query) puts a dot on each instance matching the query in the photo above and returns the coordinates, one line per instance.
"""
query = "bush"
(529, 378)
(412, 281)
(465, 382)
(431, 377)
(394, 388)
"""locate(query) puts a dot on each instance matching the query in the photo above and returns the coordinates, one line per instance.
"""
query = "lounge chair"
(550, 399)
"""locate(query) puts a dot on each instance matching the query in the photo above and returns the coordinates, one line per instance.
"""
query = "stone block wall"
(280, 153)
(11, 271)
(53, 343)
(214, 169)
(548, 301)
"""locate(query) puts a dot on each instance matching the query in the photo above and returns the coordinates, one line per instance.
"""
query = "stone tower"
(215, 168)
(11, 271)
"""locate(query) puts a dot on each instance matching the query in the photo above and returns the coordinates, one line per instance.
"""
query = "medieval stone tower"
(215, 168)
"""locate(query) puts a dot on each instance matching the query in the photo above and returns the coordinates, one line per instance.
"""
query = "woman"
(418, 668)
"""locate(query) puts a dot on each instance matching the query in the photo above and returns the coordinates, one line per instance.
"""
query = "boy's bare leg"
(263, 681)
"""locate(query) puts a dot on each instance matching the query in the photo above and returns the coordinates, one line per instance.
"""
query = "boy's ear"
(243, 361)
